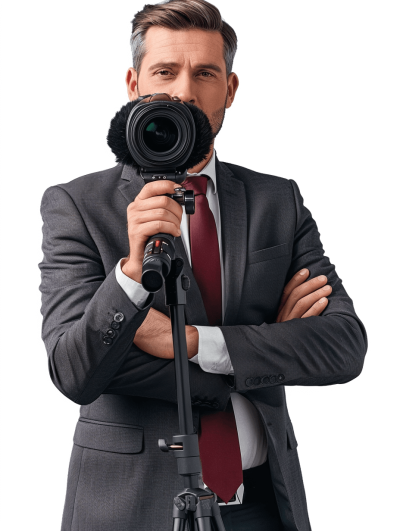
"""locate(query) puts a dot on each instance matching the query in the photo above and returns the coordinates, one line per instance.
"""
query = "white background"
(318, 102)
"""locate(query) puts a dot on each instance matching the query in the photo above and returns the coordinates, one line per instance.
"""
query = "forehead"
(178, 45)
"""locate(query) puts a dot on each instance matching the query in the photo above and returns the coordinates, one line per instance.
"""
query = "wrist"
(192, 340)
(131, 270)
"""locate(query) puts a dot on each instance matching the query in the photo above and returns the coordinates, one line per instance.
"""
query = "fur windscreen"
(116, 138)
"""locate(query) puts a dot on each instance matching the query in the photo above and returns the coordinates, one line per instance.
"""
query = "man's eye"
(205, 74)
(163, 72)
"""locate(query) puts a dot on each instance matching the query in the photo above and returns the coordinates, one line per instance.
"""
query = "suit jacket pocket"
(109, 437)
(268, 254)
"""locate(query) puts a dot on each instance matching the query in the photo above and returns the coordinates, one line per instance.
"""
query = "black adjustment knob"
(162, 444)
(185, 282)
(180, 503)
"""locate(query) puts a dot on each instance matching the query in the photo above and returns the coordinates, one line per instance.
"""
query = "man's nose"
(184, 89)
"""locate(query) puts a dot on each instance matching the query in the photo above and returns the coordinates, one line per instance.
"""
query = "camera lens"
(160, 134)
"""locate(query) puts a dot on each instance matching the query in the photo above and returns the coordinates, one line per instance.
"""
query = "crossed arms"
(79, 301)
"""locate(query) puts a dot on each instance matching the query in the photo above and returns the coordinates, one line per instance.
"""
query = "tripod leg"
(217, 518)
(204, 523)
(179, 516)
(208, 514)
(178, 524)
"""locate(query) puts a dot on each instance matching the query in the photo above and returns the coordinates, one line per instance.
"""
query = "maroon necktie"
(218, 439)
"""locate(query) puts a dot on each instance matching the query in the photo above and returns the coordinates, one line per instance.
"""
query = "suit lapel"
(232, 202)
(194, 310)
(132, 183)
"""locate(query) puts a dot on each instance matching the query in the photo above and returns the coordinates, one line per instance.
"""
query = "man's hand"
(154, 336)
(150, 213)
(303, 299)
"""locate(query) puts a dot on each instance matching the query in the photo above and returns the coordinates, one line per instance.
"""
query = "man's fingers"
(157, 201)
(155, 204)
(301, 292)
(146, 230)
(305, 303)
(157, 214)
(317, 308)
(157, 188)
(303, 297)
(295, 281)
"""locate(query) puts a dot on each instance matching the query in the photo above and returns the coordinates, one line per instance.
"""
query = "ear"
(131, 81)
(233, 84)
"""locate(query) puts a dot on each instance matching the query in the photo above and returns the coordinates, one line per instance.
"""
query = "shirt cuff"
(213, 355)
(135, 291)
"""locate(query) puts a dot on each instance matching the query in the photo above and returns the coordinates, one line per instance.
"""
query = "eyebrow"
(206, 66)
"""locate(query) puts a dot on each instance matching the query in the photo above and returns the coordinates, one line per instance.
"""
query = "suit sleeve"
(321, 350)
(79, 302)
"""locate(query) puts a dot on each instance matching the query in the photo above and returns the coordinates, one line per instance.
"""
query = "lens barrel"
(160, 134)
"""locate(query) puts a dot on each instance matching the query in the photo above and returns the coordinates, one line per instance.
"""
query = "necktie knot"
(198, 184)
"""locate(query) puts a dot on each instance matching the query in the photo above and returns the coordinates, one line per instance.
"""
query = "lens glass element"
(160, 134)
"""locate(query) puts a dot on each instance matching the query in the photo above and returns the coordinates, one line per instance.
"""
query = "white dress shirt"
(213, 355)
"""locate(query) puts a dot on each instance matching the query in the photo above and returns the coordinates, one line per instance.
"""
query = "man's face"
(189, 64)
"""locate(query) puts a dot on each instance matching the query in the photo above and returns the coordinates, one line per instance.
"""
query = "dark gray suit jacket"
(118, 478)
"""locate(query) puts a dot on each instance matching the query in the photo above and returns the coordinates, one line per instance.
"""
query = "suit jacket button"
(115, 325)
(111, 333)
(119, 316)
(265, 380)
(249, 382)
(256, 381)
(281, 377)
(107, 340)
(272, 378)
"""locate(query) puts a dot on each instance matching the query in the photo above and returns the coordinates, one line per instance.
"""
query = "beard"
(217, 119)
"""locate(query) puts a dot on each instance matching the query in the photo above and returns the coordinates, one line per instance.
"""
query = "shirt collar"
(209, 170)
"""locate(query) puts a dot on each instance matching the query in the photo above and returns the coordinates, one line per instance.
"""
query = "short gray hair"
(181, 15)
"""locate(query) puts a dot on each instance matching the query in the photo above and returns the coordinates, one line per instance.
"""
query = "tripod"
(194, 506)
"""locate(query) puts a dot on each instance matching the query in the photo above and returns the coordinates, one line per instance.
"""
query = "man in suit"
(109, 342)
